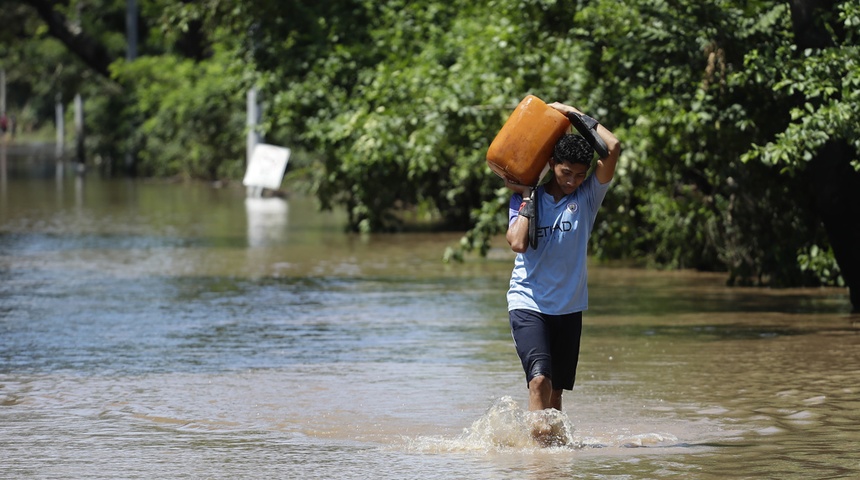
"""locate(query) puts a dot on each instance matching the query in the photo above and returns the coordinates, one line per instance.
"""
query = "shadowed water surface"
(152, 330)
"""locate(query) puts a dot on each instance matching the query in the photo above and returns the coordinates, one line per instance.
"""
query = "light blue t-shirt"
(552, 278)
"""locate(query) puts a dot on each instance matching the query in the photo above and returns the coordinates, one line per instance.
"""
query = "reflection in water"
(79, 191)
(267, 221)
(60, 177)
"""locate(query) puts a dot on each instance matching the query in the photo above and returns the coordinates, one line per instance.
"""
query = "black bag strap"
(587, 127)
(533, 241)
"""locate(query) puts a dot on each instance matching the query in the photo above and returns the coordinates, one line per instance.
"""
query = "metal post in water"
(61, 126)
(6, 124)
(2, 92)
(5, 121)
(254, 137)
(2, 173)
(253, 114)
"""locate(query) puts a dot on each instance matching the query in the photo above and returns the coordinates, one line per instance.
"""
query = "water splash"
(505, 426)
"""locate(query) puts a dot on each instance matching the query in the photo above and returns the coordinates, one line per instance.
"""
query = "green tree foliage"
(399, 97)
(723, 108)
(692, 89)
(682, 193)
(42, 69)
(192, 120)
(177, 110)
(825, 83)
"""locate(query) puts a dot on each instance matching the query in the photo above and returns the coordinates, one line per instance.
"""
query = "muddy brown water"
(156, 330)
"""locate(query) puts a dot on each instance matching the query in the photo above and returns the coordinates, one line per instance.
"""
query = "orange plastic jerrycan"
(524, 145)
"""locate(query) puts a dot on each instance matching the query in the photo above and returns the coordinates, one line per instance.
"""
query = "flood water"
(176, 330)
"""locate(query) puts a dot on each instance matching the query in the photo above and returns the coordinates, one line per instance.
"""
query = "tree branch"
(91, 51)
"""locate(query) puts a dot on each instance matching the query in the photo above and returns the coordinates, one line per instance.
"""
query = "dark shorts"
(548, 345)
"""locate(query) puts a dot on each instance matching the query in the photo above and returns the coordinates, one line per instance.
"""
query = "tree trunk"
(807, 22)
(835, 184)
(836, 196)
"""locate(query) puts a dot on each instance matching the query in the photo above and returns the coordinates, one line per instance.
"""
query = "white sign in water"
(267, 166)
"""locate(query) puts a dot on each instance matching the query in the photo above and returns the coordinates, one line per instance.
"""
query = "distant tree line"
(739, 119)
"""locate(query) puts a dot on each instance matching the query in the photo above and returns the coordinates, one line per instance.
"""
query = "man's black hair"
(573, 149)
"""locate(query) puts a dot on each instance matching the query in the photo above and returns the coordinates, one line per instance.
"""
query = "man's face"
(569, 176)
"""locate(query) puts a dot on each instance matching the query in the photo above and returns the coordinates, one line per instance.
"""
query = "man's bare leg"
(540, 398)
(555, 399)
(540, 393)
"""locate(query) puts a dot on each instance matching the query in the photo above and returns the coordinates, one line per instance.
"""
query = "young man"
(548, 284)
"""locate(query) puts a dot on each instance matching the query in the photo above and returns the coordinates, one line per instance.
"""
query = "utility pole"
(131, 29)
(131, 55)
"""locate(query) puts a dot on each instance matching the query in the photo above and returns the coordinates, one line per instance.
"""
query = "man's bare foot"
(548, 429)
(542, 432)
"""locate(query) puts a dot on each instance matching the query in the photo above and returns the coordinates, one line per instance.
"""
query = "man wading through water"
(548, 291)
